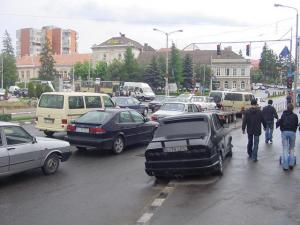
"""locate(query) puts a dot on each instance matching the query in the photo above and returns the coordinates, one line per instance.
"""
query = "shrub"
(5, 117)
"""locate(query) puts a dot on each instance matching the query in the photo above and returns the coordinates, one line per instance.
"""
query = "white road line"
(158, 202)
(145, 218)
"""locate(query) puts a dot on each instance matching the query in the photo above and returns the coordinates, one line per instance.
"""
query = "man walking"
(253, 119)
(269, 113)
(288, 125)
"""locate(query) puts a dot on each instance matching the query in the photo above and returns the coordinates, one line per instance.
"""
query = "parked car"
(204, 102)
(155, 104)
(20, 151)
(110, 129)
(131, 103)
(174, 108)
(12, 89)
(21, 92)
(187, 145)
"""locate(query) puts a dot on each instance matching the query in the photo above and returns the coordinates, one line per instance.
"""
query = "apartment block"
(30, 41)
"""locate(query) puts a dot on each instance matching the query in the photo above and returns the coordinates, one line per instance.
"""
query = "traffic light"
(289, 82)
(218, 49)
(248, 49)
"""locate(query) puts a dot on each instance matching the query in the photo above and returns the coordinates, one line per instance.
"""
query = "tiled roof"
(200, 56)
(59, 59)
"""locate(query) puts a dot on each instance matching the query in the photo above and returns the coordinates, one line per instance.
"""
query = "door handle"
(10, 149)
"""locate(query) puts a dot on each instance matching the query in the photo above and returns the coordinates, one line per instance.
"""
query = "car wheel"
(145, 112)
(51, 164)
(229, 154)
(118, 145)
(48, 133)
(219, 168)
(81, 149)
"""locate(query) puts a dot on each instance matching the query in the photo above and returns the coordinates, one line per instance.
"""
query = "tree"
(115, 70)
(203, 74)
(131, 67)
(101, 70)
(152, 75)
(269, 65)
(31, 90)
(256, 75)
(47, 70)
(175, 68)
(83, 70)
(9, 62)
(188, 72)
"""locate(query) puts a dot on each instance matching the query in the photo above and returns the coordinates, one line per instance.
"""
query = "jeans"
(288, 143)
(269, 130)
(252, 148)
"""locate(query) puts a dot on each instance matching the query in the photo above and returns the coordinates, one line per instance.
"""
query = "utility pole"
(2, 71)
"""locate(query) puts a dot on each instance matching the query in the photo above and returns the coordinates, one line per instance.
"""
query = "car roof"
(73, 93)
(2, 123)
(112, 110)
(185, 103)
(187, 116)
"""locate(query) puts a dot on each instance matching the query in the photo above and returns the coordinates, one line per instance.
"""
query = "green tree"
(152, 75)
(269, 65)
(47, 70)
(31, 90)
(83, 70)
(101, 70)
(256, 75)
(188, 72)
(175, 68)
(38, 90)
(162, 64)
(115, 71)
(203, 74)
(131, 67)
(8, 61)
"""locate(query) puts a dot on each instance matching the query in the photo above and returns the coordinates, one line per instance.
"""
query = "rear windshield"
(52, 101)
(186, 127)
(95, 117)
(172, 107)
(234, 97)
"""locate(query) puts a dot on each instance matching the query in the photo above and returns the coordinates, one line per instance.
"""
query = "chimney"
(122, 35)
(146, 45)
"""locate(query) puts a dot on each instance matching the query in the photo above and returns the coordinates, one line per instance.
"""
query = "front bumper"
(90, 142)
(181, 166)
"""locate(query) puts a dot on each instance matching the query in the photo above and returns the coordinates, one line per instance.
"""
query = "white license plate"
(176, 149)
(49, 120)
(82, 130)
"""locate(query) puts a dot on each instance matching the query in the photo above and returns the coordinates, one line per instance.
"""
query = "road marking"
(145, 218)
(158, 202)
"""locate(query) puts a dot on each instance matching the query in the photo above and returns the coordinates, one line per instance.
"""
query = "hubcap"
(52, 164)
(119, 145)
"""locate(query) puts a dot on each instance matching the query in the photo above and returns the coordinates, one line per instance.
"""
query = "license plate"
(176, 149)
(82, 130)
(49, 120)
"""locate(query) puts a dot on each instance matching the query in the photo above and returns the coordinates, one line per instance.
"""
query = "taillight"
(97, 130)
(71, 128)
(64, 121)
(154, 118)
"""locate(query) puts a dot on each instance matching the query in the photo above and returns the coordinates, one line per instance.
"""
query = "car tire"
(229, 154)
(118, 145)
(51, 164)
(219, 167)
(48, 133)
(145, 112)
(81, 149)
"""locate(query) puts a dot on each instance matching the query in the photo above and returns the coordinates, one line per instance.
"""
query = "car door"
(23, 152)
(144, 131)
(4, 159)
(127, 127)
(220, 134)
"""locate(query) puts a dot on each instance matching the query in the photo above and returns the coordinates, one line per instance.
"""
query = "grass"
(20, 118)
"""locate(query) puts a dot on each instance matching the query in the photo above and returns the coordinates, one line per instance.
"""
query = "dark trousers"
(252, 146)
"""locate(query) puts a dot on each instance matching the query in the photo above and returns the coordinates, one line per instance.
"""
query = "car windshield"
(95, 117)
(185, 127)
(234, 97)
(52, 101)
(173, 107)
(126, 101)
(147, 90)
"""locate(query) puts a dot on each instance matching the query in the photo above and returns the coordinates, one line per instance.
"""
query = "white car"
(204, 102)
(174, 108)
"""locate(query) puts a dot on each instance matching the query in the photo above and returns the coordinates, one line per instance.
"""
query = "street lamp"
(167, 55)
(296, 51)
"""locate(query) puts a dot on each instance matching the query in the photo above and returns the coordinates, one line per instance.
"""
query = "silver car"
(19, 151)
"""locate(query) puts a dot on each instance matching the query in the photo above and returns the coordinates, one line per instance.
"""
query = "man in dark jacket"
(269, 113)
(288, 125)
(253, 119)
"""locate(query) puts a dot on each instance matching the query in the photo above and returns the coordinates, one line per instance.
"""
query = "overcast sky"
(201, 21)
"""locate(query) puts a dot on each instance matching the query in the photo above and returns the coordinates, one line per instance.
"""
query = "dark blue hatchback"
(131, 103)
(110, 129)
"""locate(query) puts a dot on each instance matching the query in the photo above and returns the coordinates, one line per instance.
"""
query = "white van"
(56, 109)
(218, 96)
(238, 101)
(140, 90)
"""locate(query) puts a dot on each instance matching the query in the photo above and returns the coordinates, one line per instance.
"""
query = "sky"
(201, 21)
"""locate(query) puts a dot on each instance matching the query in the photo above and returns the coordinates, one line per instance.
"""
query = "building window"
(234, 72)
(234, 84)
(218, 72)
(104, 57)
(226, 84)
(22, 74)
(227, 71)
(28, 75)
(243, 71)
(243, 85)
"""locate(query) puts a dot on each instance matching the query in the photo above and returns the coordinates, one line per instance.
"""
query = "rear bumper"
(55, 129)
(182, 166)
(90, 142)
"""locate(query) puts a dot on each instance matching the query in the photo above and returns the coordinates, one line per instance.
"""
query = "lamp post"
(167, 56)
(296, 52)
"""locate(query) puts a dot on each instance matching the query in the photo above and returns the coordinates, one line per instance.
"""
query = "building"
(115, 48)
(30, 41)
(28, 66)
(230, 70)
